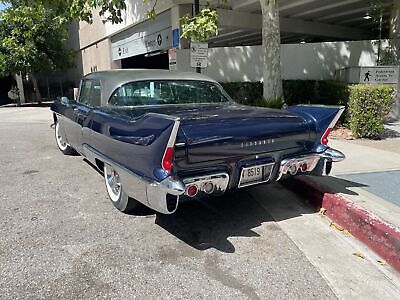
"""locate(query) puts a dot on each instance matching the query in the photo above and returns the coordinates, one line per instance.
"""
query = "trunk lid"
(214, 132)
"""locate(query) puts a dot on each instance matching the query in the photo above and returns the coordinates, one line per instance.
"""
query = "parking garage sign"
(198, 55)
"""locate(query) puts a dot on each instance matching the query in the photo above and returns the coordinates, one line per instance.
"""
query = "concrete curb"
(379, 235)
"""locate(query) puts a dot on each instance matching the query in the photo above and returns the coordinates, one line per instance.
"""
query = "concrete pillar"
(177, 12)
(395, 36)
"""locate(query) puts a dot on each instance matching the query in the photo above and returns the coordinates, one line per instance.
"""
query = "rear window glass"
(168, 92)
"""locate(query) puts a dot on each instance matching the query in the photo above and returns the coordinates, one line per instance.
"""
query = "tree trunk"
(36, 87)
(395, 31)
(271, 47)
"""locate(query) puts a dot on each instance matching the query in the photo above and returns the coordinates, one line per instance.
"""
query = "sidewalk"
(362, 195)
(44, 103)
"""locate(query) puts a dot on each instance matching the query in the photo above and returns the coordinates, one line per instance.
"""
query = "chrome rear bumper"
(333, 155)
(293, 165)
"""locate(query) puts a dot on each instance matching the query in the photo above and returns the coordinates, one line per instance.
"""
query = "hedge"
(368, 106)
(294, 92)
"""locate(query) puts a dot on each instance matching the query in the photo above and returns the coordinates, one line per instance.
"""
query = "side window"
(90, 93)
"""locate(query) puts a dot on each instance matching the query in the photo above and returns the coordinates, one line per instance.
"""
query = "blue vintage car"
(161, 136)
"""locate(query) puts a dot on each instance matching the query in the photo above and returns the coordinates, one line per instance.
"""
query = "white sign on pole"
(379, 75)
(198, 55)
(172, 59)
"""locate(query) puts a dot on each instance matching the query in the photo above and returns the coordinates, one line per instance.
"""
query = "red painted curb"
(379, 235)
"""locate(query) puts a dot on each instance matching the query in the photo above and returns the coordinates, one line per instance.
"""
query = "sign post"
(198, 55)
(172, 59)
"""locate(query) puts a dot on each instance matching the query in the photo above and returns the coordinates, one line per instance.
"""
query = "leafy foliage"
(31, 41)
(368, 106)
(248, 93)
(327, 92)
(200, 27)
(295, 92)
(69, 10)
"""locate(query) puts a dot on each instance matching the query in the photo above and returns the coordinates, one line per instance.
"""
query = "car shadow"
(212, 222)
(313, 192)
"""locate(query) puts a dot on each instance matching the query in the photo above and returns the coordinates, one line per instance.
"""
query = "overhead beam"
(295, 3)
(253, 22)
(324, 8)
(238, 37)
(320, 29)
(238, 19)
(224, 35)
(341, 14)
(242, 4)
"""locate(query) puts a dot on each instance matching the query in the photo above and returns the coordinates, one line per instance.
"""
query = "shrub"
(368, 106)
(248, 93)
(326, 92)
(275, 103)
(294, 92)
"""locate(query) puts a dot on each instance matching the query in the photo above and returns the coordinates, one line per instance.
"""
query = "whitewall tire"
(115, 190)
(61, 142)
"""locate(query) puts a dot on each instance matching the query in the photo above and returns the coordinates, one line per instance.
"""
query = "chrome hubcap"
(113, 183)
(60, 140)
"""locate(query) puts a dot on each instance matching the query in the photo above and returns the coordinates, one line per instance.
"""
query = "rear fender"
(321, 119)
(136, 149)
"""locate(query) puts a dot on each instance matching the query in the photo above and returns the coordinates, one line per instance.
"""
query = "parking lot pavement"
(60, 236)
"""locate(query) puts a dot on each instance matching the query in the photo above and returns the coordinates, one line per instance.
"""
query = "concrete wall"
(299, 61)
(136, 12)
(98, 57)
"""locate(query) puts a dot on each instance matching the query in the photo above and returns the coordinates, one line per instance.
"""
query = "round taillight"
(191, 190)
(304, 167)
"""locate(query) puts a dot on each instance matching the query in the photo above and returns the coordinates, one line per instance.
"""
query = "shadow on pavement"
(209, 223)
(313, 188)
(389, 133)
(205, 224)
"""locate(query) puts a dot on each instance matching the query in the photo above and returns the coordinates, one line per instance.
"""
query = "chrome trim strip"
(336, 118)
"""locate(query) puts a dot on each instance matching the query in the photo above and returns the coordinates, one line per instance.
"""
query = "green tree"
(32, 41)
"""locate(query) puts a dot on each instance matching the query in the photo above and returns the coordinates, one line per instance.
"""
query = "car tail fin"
(321, 118)
(167, 160)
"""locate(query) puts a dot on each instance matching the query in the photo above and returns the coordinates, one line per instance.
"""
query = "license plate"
(255, 174)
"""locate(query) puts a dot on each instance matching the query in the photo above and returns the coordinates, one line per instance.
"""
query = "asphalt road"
(60, 236)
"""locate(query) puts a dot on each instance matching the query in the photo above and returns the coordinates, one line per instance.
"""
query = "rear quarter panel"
(136, 144)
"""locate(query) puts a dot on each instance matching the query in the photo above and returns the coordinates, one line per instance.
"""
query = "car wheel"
(116, 191)
(61, 142)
